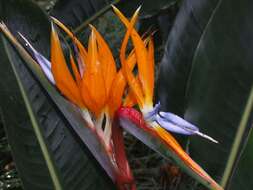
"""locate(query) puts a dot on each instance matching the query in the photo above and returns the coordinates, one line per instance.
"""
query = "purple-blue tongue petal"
(42, 61)
(173, 118)
(176, 124)
(151, 116)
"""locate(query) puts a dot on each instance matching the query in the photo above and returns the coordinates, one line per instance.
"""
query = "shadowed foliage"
(206, 76)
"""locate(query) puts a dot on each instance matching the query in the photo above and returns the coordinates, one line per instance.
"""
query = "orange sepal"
(133, 83)
(63, 78)
(93, 80)
(82, 50)
(87, 98)
(151, 70)
(118, 86)
(130, 100)
(107, 61)
(145, 69)
(116, 93)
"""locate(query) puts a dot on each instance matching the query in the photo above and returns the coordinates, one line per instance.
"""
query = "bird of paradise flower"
(106, 96)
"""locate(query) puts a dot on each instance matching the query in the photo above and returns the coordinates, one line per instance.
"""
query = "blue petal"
(151, 116)
(176, 127)
(42, 61)
(173, 118)
(43, 64)
(176, 124)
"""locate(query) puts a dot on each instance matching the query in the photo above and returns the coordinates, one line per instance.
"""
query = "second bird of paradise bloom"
(106, 96)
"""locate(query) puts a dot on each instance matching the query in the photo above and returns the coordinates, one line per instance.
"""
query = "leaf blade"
(45, 150)
(205, 79)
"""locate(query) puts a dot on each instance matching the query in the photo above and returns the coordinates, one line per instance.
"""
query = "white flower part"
(87, 117)
(42, 61)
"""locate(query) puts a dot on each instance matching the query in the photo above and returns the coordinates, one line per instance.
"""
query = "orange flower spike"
(133, 82)
(116, 94)
(119, 81)
(130, 99)
(142, 60)
(93, 80)
(80, 46)
(107, 61)
(87, 98)
(63, 78)
(144, 71)
(151, 68)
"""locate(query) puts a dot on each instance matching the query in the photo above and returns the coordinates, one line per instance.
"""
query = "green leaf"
(58, 184)
(242, 178)
(206, 76)
(24, 145)
(77, 14)
(74, 164)
(182, 42)
(149, 8)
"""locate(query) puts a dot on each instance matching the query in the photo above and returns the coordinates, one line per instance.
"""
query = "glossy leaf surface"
(242, 178)
(206, 75)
